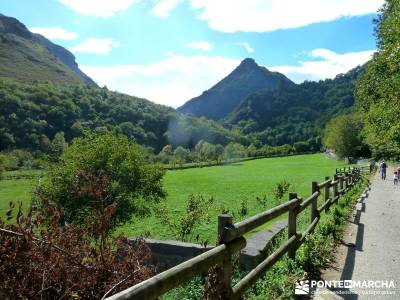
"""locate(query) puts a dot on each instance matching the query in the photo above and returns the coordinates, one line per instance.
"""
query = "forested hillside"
(296, 112)
(31, 115)
(26, 57)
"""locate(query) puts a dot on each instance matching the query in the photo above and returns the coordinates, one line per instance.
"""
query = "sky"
(170, 51)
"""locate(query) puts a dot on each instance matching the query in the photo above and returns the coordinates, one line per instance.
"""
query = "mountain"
(26, 57)
(220, 100)
(296, 112)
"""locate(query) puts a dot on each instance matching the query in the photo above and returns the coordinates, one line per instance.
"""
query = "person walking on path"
(383, 170)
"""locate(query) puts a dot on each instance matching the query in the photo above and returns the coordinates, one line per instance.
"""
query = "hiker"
(395, 177)
(383, 170)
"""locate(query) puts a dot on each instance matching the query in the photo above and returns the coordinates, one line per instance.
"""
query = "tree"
(378, 90)
(219, 152)
(58, 146)
(2, 164)
(118, 164)
(182, 154)
(234, 150)
(343, 134)
(45, 144)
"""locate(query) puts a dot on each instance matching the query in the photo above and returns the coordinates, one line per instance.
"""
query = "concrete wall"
(167, 254)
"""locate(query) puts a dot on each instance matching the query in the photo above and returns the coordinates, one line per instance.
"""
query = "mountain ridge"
(222, 98)
(23, 53)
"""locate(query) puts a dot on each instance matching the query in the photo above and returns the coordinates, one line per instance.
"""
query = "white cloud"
(171, 81)
(163, 8)
(95, 46)
(324, 64)
(55, 33)
(246, 45)
(202, 45)
(101, 8)
(270, 15)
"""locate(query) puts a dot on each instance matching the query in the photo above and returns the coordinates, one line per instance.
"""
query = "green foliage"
(187, 131)
(234, 150)
(278, 282)
(263, 201)
(280, 189)
(32, 115)
(343, 134)
(2, 164)
(243, 208)
(116, 164)
(378, 90)
(192, 290)
(196, 212)
(58, 146)
(20, 160)
(295, 113)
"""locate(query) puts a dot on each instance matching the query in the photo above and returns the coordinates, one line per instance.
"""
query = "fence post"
(314, 212)
(225, 220)
(335, 187)
(326, 192)
(341, 183)
(346, 180)
(292, 230)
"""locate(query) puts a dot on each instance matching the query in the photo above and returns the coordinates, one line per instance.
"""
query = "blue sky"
(169, 51)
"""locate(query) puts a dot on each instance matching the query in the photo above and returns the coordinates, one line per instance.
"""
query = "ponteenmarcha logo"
(302, 287)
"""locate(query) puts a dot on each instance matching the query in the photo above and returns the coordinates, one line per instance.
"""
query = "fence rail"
(18, 176)
(231, 241)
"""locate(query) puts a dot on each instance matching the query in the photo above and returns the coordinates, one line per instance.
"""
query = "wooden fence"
(18, 176)
(231, 241)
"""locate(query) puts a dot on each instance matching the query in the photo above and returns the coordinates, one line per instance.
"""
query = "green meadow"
(228, 184)
(15, 191)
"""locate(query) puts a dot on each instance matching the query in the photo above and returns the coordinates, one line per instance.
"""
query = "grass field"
(229, 185)
(16, 191)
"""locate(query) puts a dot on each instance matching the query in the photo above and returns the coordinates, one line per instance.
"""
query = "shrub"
(243, 209)
(196, 212)
(280, 189)
(41, 260)
(97, 170)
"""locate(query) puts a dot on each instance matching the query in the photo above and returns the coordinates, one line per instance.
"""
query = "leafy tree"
(343, 134)
(2, 164)
(182, 154)
(219, 152)
(234, 150)
(118, 164)
(45, 144)
(58, 146)
(378, 90)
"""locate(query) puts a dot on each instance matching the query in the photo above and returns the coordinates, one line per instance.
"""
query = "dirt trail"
(371, 246)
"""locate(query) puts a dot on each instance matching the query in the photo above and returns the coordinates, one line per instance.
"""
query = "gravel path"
(371, 245)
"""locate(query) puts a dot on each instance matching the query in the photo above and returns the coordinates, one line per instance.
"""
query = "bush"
(280, 189)
(98, 170)
(196, 212)
(41, 260)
